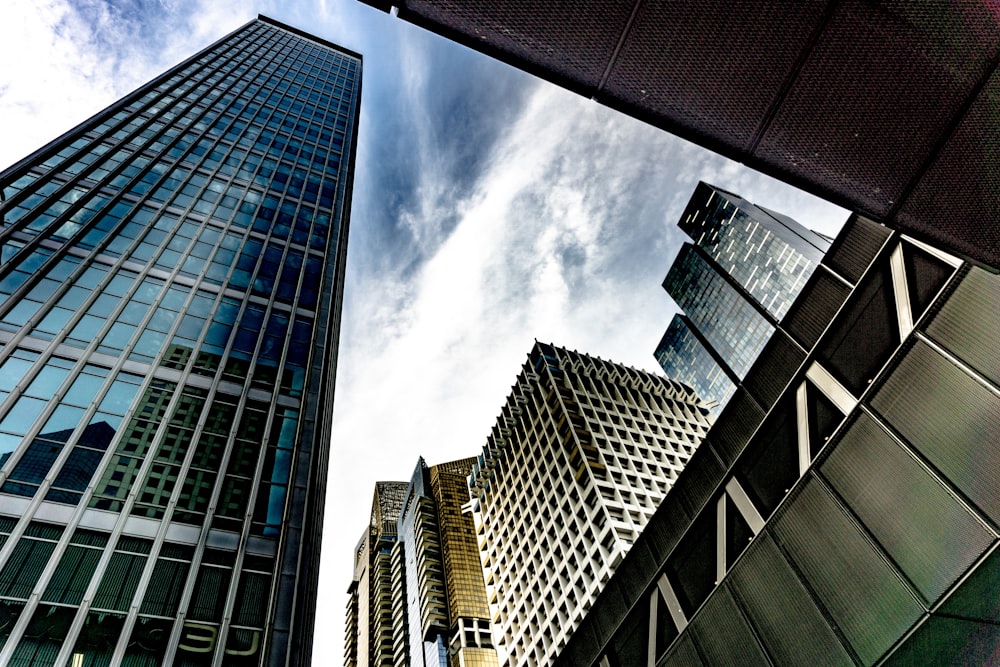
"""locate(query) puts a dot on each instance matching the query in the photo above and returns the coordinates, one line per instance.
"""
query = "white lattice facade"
(581, 456)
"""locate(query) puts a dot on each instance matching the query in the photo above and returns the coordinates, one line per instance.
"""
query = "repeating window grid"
(216, 93)
(73, 371)
(778, 271)
(508, 500)
(100, 567)
(108, 207)
(129, 127)
(720, 312)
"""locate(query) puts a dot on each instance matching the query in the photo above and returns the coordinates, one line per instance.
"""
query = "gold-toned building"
(418, 596)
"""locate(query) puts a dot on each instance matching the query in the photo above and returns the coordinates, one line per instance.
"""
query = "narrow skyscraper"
(583, 453)
(170, 290)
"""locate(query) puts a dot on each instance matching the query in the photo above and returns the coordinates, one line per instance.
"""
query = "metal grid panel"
(968, 323)
(734, 427)
(950, 418)
(815, 308)
(723, 634)
(777, 602)
(875, 97)
(865, 597)
(572, 40)
(776, 365)
(716, 69)
(931, 535)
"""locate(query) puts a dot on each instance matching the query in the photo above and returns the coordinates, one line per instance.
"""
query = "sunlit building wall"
(170, 289)
(583, 453)
(369, 631)
(418, 596)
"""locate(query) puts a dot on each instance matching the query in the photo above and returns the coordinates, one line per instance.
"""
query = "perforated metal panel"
(692, 564)
(815, 307)
(735, 425)
(930, 534)
(969, 323)
(630, 645)
(682, 654)
(925, 276)
(700, 477)
(782, 611)
(852, 100)
(951, 419)
(773, 369)
(865, 334)
(641, 570)
(956, 202)
(976, 598)
(769, 466)
(856, 247)
(949, 641)
(665, 528)
(716, 68)
(875, 96)
(611, 610)
(572, 42)
(866, 599)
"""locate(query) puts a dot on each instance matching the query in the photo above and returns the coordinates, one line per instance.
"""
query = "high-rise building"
(744, 270)
(583, 453)
(733, 324)
(170, 290)
(768, 254)
(842, 508)
(417, 596)
(685, 356)
(370, 631)
(886, 109)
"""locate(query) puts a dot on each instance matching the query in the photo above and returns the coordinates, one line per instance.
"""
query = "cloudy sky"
(490, 209)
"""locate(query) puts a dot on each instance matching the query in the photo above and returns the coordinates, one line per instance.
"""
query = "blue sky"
(490, 209)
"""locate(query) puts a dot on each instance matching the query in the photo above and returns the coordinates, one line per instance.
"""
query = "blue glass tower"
(170, 290)
(739, 278)
(768, 254)
(683, 353)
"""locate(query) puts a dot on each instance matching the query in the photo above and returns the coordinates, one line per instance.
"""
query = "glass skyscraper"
(731, 323)
(739, 278)
(170, 290)
(684, 355)
(768, 254)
